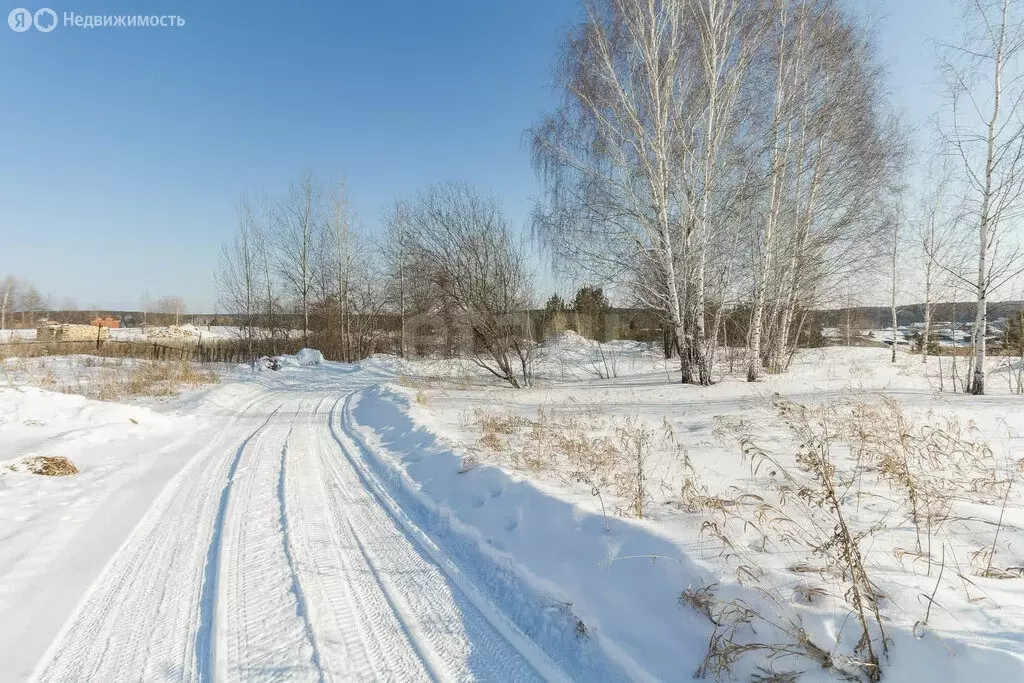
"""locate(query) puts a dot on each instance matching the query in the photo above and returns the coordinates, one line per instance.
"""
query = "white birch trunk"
(768, 237)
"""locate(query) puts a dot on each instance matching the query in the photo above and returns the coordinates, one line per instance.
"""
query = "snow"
(187, 331)
(624, 582)
(344, 521)
(304, 358)
(17, 335)
(59, 532)
(560, 553)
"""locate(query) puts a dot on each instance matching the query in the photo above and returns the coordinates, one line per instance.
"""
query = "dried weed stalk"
(581, 445)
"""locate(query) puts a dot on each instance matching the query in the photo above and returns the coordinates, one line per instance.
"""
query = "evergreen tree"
(591, 308)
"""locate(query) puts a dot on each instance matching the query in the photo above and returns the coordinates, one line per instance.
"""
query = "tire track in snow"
(263, 613)
(206, 633)
(229, 636)
(361, 635)
(433, 665)
(139, 613)
(302, 605)
(457, 632)
(272, 555)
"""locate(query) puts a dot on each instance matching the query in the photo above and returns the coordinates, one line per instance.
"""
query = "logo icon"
(20, 20)
(46, 20)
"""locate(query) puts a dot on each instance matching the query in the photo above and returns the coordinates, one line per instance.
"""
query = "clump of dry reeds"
(47, 465)
(816, 493)
(583, 446)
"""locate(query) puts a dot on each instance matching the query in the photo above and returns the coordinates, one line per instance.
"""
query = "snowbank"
(59, 532)
(17, 335)
(619, 588)
(624, 585)
(570, 340)
(304, 358)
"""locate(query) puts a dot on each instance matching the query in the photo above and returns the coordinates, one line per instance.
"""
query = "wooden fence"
(219, 351)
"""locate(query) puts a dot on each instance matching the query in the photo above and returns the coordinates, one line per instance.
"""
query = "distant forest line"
(866, 317)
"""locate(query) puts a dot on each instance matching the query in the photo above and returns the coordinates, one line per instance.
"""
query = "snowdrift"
(60, 531)
(619, 589)
(304, 358)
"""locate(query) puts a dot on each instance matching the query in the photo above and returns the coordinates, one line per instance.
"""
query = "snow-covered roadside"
(57, 533)
(521, 550)
(275, 552)
(582, 589)
(46, 561)
(624, 584)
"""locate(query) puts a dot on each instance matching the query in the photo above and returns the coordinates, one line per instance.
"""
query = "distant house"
(949, 336)
(107, 321)
(64, 333)
(886, 336)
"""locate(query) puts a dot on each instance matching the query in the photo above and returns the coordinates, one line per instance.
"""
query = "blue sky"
(125, 149)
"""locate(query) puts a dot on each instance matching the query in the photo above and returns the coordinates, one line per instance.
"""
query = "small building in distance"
(64, 332)
(106, 321)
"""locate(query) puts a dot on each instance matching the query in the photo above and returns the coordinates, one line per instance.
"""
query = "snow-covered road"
(347, 522)
(275, 554)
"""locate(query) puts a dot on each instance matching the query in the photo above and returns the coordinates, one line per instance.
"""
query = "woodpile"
(65, 332)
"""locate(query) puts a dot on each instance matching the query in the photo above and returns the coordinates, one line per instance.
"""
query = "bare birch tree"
(894, 269)
(238, 279)
(831, 151)
(8, 287)
(171, 305)
(986, 129)
(298, 229)
(728, 38)
(357, 290)
(395, 251)
(716, 150)
(266, 263)
(634, 158)
(780, 140)
(936, 231)
(344, 261)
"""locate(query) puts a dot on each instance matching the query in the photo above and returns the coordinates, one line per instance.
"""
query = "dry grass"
(165, 379)
(582, 446)
(740, 630)
(815, 493)
(411, 382)
(108, 379)
(46, 465)
(498, 423)
(935, 465)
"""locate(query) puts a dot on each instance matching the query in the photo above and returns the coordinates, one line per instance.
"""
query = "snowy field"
(716, 518)
(412, 519)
